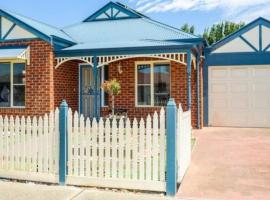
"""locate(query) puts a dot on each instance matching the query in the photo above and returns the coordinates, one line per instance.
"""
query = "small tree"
(113, 88)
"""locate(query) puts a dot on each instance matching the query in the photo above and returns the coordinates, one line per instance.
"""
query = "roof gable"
(113, 11)
(254, 37)
(11, 31)
(16, 27)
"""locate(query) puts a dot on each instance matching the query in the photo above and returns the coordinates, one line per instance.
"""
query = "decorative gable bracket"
(113, 11)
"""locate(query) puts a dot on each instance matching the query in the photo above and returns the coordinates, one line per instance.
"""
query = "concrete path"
(29, 191)
(229, 164)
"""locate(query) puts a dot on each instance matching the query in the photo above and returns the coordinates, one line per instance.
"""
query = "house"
(227, 84)
(237, 78)
(41, 65)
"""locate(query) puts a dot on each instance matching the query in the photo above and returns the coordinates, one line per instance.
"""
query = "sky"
(200, 13)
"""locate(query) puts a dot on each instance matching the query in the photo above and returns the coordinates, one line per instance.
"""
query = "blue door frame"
(96, 91)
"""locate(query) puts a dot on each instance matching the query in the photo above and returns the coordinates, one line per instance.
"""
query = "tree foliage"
(216, 32)
(188, 29)
(219, 31)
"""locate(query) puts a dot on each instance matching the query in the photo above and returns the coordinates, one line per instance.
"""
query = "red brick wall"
(126, 99)
(66, 79)
(46, 86)
(39, 79)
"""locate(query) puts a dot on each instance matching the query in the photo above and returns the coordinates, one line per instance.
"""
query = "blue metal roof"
(123, 33)
(131, 29)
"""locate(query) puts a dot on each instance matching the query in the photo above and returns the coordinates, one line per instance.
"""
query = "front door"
(87, 91)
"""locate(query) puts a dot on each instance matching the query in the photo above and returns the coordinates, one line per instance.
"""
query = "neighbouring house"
(41, 65)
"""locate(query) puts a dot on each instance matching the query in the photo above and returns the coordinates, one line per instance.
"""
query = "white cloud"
(231, 9)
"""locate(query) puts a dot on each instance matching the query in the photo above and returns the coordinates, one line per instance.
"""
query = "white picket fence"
(184, 134)
(117, 154)
(29, 147)
(112, 153)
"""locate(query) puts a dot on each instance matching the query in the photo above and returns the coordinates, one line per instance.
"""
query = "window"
(104, 77)
(12, 84)
(153, 84)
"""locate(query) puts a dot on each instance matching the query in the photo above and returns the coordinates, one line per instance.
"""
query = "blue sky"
(201, 13)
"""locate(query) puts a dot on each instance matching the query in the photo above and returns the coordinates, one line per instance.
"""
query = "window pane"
(4, 84)
(161, 84)
(19, 73)
(143, 73)
(19, 95)
(144, 95)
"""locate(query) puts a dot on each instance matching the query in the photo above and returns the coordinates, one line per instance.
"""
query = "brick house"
(41, 65)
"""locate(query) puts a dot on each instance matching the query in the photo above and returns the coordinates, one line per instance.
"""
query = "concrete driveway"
(229, 163)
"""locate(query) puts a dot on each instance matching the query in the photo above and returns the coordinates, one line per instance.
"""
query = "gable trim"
(259, 22)
(25, 26)
(9, 31)
(260, 37)
(248, 43)
(266, 48)
(111, 5)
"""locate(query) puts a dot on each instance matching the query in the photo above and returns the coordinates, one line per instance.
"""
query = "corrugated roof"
(119, 33)
(130, 32)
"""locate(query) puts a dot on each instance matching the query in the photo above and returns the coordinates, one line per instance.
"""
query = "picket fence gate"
(117, 153)
(29, 147)
(67, 148)
(184, 136)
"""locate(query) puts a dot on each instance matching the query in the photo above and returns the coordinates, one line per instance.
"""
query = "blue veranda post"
(171, 185)
(63, 142)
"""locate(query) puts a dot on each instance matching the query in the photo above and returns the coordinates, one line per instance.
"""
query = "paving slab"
(229, 164)
(28, 191)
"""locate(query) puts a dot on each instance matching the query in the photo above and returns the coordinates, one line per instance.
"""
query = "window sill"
(13, 107)
(149, 106)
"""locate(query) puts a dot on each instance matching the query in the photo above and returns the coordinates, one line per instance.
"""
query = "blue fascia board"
(248, 58)
(259, 21)
(106, 7)
(124, 51)
(189, 40)
(14, 47)
(18, 40)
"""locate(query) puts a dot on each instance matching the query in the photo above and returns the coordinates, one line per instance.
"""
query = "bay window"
(12, 84)
(152, 83)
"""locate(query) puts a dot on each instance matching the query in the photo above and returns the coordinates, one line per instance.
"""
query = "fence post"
(63, 142)
(171, 185)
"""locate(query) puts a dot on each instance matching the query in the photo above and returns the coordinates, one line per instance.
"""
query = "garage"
(239, 96)
(237, 78)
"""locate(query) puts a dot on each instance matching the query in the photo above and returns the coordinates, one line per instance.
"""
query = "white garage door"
(239, 96)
